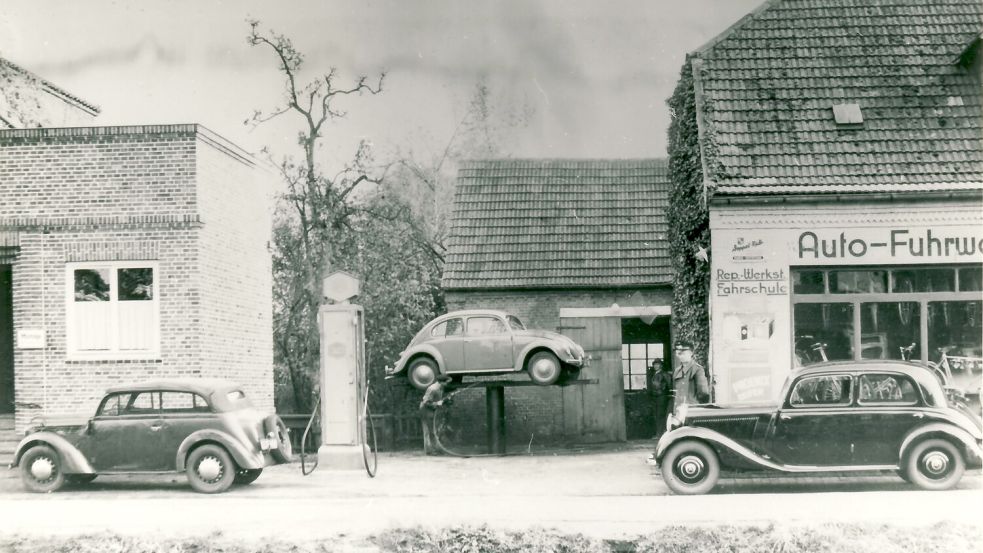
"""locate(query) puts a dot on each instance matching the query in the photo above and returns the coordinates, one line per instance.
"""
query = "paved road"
(605, 494)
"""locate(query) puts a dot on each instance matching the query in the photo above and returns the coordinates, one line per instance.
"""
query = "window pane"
(655, 351)
(455, 327)
(823, 328)
(177, 401)
(971, 280)
(92, 285)
(637, 351)
(135, 284)
(638, 366)
(91, 325)
(821, 390)
(485, 326)
(136, 325)
(884, 388)
(857, 282)
(515, 323)
(886, 327)
(807, 282)
(625, 367)
(625, 351)
(924, 280)
(627, 382)
(957, 326)
(144, 402)
(439, 330)
(638, 382)
(113, 406)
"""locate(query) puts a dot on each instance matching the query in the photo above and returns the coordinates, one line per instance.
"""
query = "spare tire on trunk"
(284, 450)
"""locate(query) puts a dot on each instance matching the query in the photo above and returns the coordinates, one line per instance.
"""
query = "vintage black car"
(833, 417)
(207, 429)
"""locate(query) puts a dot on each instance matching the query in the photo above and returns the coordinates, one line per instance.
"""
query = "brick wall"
(235, 202)
(168, 194)
(534, 414)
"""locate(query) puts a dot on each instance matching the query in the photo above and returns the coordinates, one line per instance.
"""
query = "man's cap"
(683, 344)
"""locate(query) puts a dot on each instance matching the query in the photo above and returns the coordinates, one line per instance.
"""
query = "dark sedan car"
(207, 429)
(833, 417)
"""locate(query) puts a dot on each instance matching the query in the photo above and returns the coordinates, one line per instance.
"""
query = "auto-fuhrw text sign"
(892, 245)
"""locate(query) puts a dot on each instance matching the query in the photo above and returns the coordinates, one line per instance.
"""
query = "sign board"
(30, 338)
(339, 286)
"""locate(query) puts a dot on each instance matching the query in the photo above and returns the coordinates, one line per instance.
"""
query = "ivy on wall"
(689, 225)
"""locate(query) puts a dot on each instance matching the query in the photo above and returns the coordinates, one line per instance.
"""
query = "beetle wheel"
(934, 465)
(210, 469)
(690, 468)
(40, 469)
(422, 372)
(544, 368)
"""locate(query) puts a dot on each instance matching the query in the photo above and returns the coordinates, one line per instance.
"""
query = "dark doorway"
(642, 343)
(6, 340)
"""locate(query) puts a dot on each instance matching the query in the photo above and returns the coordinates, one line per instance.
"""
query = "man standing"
(688, 379)
(433, 398)
(662, 394)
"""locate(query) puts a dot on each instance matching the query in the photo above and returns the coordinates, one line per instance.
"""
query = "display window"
(928, 313)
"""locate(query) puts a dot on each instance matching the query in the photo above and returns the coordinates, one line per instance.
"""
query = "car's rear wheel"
(422, 372)
(79, 479)
(544, 368)
(691, 468)
(247, 476)
(934, 465)
(40, 469)
(210, 469)
(284, 450)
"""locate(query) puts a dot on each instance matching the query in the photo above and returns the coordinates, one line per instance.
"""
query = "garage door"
(596, 412)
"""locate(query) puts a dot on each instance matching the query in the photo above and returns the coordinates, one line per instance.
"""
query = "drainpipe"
(44, 325)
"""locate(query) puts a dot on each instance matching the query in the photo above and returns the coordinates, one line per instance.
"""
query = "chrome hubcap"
(424, 374)
(936, 463)
(210, 469)
(544, 368)
(690, 468)
(42, 468)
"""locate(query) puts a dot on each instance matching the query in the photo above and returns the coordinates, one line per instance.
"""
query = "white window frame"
(73, 353)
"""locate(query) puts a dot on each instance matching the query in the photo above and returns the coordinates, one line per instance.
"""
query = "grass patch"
(820, 538)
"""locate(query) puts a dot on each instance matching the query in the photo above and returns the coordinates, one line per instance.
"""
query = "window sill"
(113, 357)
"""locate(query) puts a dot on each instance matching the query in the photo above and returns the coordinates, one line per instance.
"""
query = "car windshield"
(515, 323)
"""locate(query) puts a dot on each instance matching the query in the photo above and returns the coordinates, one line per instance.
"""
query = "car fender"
(717, 441)
(243, 457)
(520, 359)
(425, 349)
(73, 459)
(971, 444)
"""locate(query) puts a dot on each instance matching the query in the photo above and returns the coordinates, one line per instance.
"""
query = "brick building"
(129, 253)
(841, 147)
(576, 246)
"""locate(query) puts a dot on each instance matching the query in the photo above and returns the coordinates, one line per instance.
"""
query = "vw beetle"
(839, 417)
(207, 429)
(483, 342)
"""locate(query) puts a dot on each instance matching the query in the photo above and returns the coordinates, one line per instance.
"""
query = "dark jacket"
(690, 383)
(662, 383)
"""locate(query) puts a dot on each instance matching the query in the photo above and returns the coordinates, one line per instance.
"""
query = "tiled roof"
(559, 224)
(771, 80)
(49, 87)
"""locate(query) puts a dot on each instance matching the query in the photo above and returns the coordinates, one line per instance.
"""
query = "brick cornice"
(101, 223)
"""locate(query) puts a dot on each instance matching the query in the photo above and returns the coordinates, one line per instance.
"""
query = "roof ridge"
(736, 26)
(52, 88)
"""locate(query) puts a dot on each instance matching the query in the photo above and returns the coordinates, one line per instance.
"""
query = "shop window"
(955, 327)
(112, 310)
(887, 327)
(971, 279)
(924, 280)
(808, 282)
(635, 360)
(823, 331)
(857, 282)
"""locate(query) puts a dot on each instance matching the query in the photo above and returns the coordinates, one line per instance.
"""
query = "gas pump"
(347, 436)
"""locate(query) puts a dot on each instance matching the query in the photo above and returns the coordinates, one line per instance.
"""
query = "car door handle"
(786, 417)
(919, 415)
(156, 427)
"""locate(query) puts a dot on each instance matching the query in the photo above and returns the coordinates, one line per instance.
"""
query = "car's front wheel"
(247, 476)
(422, 372)
(934, 465)
(544, 368)
(691, 468)
(40, 469)
(210, 469)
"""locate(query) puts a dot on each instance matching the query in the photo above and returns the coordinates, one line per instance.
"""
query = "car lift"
(494, 412)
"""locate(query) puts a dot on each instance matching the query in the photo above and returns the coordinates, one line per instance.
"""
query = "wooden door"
(596, 412)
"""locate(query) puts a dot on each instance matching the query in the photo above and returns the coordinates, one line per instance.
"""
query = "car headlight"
(677, 418)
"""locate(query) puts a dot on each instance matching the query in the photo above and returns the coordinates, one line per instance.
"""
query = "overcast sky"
(592, 77)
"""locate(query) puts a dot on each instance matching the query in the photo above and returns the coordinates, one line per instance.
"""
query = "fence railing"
(393, 432)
